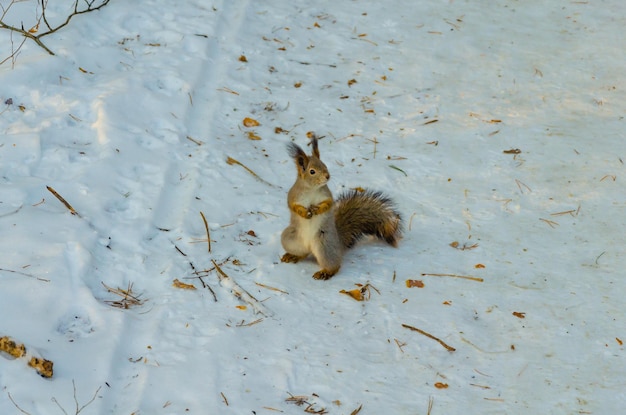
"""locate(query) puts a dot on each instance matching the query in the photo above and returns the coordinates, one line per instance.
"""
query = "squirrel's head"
(310, 168)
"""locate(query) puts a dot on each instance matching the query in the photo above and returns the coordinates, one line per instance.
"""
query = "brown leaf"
(253, 136)
(519, 314)
(250, 122)
(179, 284)
(243, 58)
(414, 283)
(440, 385)
(357, 294)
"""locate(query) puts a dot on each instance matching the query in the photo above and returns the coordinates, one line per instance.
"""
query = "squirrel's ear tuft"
(316, 150)
(298, 155)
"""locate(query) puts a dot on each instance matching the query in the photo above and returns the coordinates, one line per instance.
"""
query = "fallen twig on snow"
(62, 200)
(239, 292)
(271, 288)
(465, 277)
(232, 161)
(128, 300)
(79, 408)
(31, 33)
(24, 274)
(430, 336)
(206, 227)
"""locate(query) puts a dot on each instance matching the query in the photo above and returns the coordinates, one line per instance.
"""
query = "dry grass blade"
(431, 403)
(206, 227)
(465, 277)
(230, 161)
(271, 288)
(128, 298)
(522, 186)
(239, 292)
(193, 140)
(24, 274)
(357, 410)
(573, 212)
(430, 336)
(252, 323)
(298, 400)
(16, 405)
(550, 223)
(62, 200)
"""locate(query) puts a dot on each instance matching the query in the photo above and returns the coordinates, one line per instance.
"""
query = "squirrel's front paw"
(302, 211)
(290, 258)
(322, 207)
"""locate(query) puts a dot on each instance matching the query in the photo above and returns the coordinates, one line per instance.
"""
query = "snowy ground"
(133, 120)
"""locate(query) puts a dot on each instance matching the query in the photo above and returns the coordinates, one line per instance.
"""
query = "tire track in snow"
(132, 382)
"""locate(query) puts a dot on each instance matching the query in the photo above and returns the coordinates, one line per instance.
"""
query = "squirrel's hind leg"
(295, 251)
(328, 256)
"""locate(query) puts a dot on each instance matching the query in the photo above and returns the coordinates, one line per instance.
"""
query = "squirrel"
(324, 227)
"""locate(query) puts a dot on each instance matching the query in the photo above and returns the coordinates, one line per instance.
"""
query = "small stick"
(551, 223)
(224, 398)
(430, 336)
(230, 91)
(252, 323)
(16, 405)
(24, 274)
(232, 161)
(206, 227)
(239, 292)
(271, 288)
(411, 220)
(67, 205)
(465, 277)
(520, 184)
(193, 140)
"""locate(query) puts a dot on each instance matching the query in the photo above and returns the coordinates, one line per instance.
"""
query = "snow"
(132, 123)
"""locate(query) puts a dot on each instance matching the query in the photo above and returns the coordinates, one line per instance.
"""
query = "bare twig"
(206, 227)
(271, 288)
(430, 336)
(465, 277)
(62, 200)
(31, 33)
(15, 51)
(232, 161)
(239, 292)
(24, 274)
(16, 405)
(79, 408)
(128, 300)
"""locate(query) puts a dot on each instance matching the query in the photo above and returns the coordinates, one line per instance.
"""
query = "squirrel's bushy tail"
(361, 213)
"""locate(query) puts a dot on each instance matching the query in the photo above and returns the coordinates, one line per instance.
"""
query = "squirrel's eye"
(312, 172)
